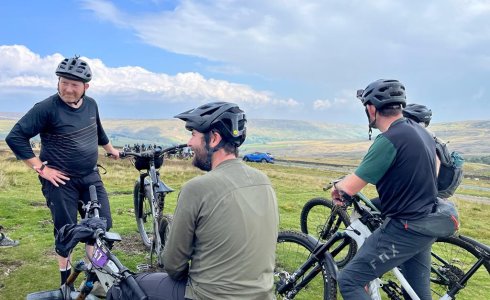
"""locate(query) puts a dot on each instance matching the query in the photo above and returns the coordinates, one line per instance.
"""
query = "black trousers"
(157, 286)
(64, 201)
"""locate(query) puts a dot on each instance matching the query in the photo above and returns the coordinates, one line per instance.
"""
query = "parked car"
(259, 157)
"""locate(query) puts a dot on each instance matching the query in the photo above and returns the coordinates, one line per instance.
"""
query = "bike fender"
(330, 265)
(163, 188)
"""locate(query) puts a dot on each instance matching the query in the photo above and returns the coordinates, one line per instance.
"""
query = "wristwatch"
(41, 168)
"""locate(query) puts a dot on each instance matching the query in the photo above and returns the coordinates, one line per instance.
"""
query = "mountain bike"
(451, 266)
(363, 223)
(149, 198)
(454, 259)
(102, 266)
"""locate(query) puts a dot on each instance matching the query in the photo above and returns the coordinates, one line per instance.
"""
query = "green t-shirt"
(224, 234)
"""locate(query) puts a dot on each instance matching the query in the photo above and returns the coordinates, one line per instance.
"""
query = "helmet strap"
(372, 124)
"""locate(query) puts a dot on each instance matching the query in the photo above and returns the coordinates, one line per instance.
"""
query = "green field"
(31, 266)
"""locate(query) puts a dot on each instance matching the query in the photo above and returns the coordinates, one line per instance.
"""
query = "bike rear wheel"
(318, 220)
(451, 259)
(293, 249)
(144, 215)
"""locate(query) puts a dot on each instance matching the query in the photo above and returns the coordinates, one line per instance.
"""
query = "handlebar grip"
(134, 286)
(93, 193)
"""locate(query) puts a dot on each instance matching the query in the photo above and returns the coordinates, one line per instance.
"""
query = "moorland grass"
(31, 266)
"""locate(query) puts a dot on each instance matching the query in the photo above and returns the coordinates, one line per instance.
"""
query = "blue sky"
(277, 59)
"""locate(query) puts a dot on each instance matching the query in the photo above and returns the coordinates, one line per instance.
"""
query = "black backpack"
(451, 170)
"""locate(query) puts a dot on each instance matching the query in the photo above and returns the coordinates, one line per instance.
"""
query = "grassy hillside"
(287, 138)
(471, 137)
(31, 266)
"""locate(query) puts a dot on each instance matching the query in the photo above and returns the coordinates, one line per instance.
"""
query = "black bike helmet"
(383, 92)
(418, 112)
(74, 69)
(225, 117)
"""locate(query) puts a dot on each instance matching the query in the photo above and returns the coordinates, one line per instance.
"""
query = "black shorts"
(64, 201)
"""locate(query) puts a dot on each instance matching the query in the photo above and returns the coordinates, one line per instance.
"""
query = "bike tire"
(144, 215)
(454, 257)
(293, 249)
(313, 220)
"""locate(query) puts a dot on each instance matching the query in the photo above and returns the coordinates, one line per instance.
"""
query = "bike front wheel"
(292, 250)
(318, 220)
(144, 214)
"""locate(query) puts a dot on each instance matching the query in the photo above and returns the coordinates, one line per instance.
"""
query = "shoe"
(6, 242)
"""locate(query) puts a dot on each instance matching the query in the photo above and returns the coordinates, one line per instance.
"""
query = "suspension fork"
(141, 194)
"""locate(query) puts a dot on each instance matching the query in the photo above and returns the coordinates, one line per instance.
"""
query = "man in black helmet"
(402, 164)
(70, 129)
(222, 241)
(419, 113)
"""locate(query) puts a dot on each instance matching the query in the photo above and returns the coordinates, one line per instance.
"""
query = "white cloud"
(337, 103)
(316, 41)
(322, 104)
(20, 67)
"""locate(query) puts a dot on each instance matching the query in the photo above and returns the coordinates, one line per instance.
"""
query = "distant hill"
(286, 138)
(10, 115)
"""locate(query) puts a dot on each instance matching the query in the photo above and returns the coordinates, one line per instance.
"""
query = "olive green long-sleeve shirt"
(224, 234)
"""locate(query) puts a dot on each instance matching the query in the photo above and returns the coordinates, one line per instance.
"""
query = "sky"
(278, 59)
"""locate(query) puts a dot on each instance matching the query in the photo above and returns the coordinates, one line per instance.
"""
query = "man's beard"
(200, 159)
(73, 98)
